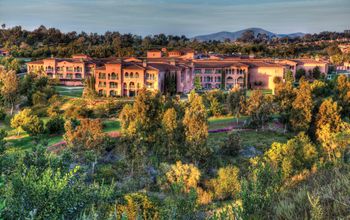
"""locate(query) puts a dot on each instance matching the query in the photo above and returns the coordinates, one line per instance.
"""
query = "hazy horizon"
(178, 17)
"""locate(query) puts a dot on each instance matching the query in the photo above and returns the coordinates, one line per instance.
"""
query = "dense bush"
(227, 184)
(231, 145)
(55, 125)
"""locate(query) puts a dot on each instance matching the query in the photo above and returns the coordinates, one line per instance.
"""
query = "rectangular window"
(197, 71)
(208, 71)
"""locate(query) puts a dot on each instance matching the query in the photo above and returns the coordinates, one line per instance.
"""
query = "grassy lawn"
(27, 143)
(111, 125)
(260, 139)
(69, 91)
(224, 122)
(265, 91)
(24, 142)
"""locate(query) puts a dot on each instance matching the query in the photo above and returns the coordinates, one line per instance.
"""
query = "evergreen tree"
(9, 88)
(197, 83)
(234, 102)
(196, 128)
(284, 97)
(343, 94)
(89, 87)
(301, 114)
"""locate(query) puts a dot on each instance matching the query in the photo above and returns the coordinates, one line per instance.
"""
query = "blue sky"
(188, 17)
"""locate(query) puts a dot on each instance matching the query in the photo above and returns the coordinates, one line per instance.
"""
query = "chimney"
(144, 63)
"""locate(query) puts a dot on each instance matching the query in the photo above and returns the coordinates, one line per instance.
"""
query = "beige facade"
(125, 76)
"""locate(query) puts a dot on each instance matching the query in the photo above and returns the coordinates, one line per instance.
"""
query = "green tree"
(259, 107)
(234, 102)
(316, 72)
(26, 121)
(140, 126)
(216, 108)
(302, 106)
(259, 191)
(297, 154)
(89, 91)
(289, 76)
(9, 88)
(227, 184)
(329, 113)
(197, 83)
(343, 94)
(196, 128)
(173, 133)
(284, 98)
(86, 134)
(55, 125)
(232, 144)
(299, 74)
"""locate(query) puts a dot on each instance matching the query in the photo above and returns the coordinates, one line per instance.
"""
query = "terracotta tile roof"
(36, 62)
(133, 66)
(304, 61)
(255, 64)
(218, 64)
(115, 61)
(163, 66)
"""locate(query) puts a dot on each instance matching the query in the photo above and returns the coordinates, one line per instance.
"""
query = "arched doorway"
(132, 92)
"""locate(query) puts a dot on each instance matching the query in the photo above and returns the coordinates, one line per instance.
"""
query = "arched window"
(112, 93)
(136, 75)
(229, 78)
(125, 86)
(132, 85)
(114, 76)
(126, 75)
(131, 75)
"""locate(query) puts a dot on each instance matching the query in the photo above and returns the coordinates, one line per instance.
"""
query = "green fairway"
(260, 139)
(69, 91)
(224, 122)
(264, 91)
(26, 143)
(111, 125)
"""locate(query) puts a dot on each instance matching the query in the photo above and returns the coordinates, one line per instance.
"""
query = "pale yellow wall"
(266, 75)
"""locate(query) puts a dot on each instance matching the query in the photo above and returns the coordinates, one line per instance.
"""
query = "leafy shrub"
(204, 197)
(186, 174)
(232, 144)
(39, 110)
(39, 98)
(137, 206)
(55, 125)
(2, 114)
(227, 184)
(259, 190)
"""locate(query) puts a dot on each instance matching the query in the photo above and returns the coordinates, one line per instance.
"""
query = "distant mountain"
(221, 36)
